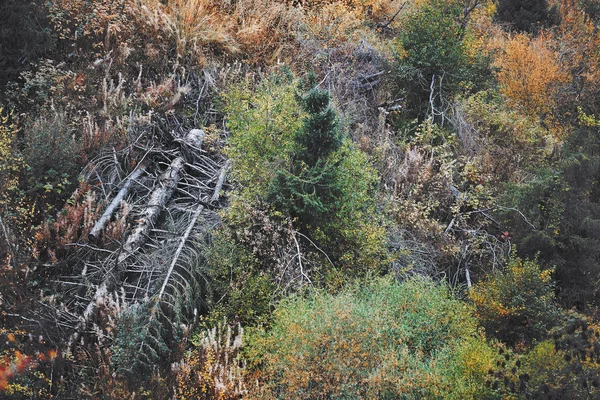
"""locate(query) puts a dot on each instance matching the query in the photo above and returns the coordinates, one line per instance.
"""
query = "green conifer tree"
(290, 151)
(310, 190)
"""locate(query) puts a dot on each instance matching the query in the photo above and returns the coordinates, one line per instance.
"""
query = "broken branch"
(95, 232)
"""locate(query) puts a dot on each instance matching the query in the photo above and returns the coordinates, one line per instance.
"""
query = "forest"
(300, 199)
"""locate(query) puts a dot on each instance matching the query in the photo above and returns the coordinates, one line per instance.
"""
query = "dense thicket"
(24, 38)
(383, 340)
(520, 15)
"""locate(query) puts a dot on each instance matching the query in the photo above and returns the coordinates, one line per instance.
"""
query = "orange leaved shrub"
(530, 74)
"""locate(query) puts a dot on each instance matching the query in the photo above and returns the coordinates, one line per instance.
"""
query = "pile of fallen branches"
(167, 190)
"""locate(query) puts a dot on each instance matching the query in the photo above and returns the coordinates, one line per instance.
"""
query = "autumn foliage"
(517, 304)
(530, 74)
(383, 340)
(20, 373)
(384, 199)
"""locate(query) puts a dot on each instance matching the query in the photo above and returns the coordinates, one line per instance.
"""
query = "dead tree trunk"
(94, 234)
(159, 197)
(220, 182)
(184, 238)
(191, 144)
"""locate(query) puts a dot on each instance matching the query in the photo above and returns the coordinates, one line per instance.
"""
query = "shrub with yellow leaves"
(213, 369)
(384, 340)
(10, 163)
(517, 304)
(530, 74)
(25, 366)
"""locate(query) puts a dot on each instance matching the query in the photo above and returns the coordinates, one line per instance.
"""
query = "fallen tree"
(167, 184)
(118, 264)
(160, 196)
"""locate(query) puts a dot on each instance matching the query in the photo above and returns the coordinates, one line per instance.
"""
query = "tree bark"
(167, 185)
(220, 182)
(184, 238)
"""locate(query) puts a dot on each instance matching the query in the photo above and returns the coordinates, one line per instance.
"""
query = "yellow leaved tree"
(530, 74)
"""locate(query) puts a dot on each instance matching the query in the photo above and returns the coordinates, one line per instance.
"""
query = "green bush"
(433, 46)
(383, 340)
(131, 354)
(51, 153)
(241, 290)
(563, 205)
(262, 124)
(291, 152)
(564, 367)
(517, 304)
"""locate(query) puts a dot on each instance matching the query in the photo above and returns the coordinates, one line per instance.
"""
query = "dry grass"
(255, 29)
(213, 369)
(191, 33)
(261, 31)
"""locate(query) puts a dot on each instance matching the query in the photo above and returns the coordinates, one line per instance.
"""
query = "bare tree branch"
(383, 26)
(116, 202)
(178, 252)
(220, 182)
(167, 184)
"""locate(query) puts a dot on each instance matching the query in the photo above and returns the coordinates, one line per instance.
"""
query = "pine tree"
(320, 135)
(309, 190)
(290, 150)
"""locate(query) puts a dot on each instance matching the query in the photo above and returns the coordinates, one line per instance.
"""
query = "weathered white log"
(116, 202)
(184, 238)
(468, 276)
(191, 144)
(99, 297)
(186, 235)
(160, 196)
(194, 139)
